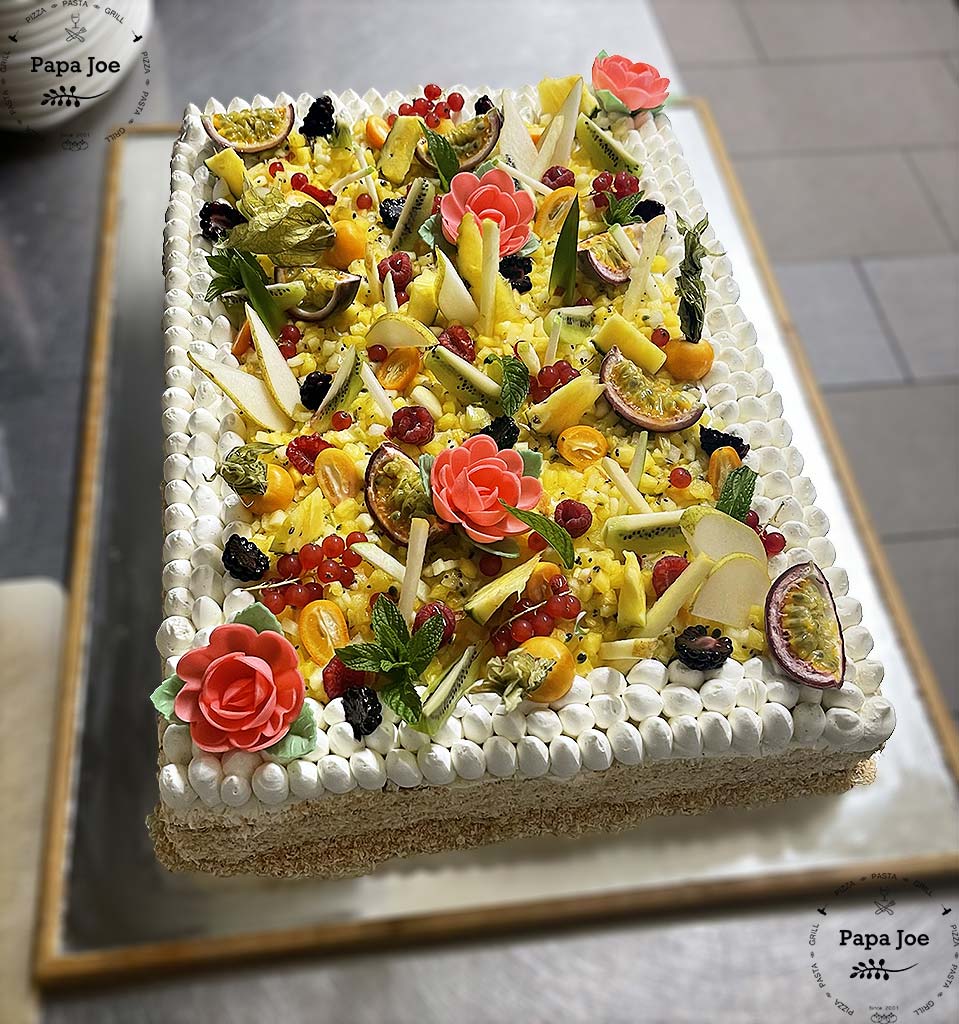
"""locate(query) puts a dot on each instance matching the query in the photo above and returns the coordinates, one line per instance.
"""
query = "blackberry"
(483, 105)
(647, 209)
(243, 560)
(515, 267)
(503, 431)
(217, 218)
(314, 388)
(362, 709)
(319, 119)
(698, 648)
(523, 285)
(710, 440)
(390, 210)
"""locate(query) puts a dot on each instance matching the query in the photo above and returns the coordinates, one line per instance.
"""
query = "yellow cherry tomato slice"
(582, 446)
(721, 463)
(399, 369)
(336, 475)
(553, 210)
(279, 492)
(322, 628)
(556, 685)
(376, 131)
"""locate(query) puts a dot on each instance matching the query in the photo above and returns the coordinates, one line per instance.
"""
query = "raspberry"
(337, 678)
(449, 619)
(412, 425)
(558, 176)
(399, 266)
(573, 516)
(666, 571)
(459, 341)
(302, 452)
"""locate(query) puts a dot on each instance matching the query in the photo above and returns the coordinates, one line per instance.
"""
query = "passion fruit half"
(651, 403)
(328, 292)
(251, 130)
(472, 141)
(395, 495)
(802, 627)
(603, 260)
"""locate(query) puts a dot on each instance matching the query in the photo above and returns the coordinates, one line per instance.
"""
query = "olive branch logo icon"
(873, 971)
(65, 97)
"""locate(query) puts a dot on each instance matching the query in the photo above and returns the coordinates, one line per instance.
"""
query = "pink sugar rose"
(492, 197)
(242, 691)
(468, 483)
(638, 86)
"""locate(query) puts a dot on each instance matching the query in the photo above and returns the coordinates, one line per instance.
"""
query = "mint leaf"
(260, 618)
(514, 385)
(443, 156)
(554, 534)
(300, 739)
(562, 274)
(389, 627)
(737, 493)
(622, 211)
(400, 696)
(165, 694)
(425, 643)
(689, 285)
(363, 657)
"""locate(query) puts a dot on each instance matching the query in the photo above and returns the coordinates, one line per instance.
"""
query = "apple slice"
(248, 393)
(627, 488)
(676, 596)
(452, 295)
(277, 375)
(716, 534)
(735, 584)
(415, 553)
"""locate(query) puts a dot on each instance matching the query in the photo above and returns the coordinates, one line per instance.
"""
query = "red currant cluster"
(301, 183)
(430, 107)
(412, 425)
(529, 619)
(459, 341)
(773, 541)
(550, 378)
(330, 561)
(400, 267)
(290, 336)
(558, 176)
(621, 184)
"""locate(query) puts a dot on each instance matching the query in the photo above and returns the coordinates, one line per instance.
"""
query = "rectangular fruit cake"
(482, 519)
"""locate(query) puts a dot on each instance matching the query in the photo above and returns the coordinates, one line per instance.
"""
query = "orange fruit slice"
(322, 630)
(553, 210)
(721, 463)
(582, 446)
(336, 475)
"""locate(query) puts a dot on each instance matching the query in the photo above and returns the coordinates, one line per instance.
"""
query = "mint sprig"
(622, 211)
(737, 494)
(514, 385)
(690, 286)
(554, 534)
(397, 654)
(443, 156)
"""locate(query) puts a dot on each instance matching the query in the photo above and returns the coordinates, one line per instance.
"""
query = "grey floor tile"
(900, 441)
(705, 31)
(838, 325)
(827, 28)
(939, 172)
(840, 205)
(919, 298)
(838, 105)
(926, 571)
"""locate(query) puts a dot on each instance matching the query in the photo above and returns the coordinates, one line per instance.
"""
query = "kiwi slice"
(472, 141)
(447, 693)
(652, 403)
(603, 149)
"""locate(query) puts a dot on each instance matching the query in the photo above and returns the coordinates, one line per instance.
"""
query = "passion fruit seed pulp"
(251, 130)
(395, 494)
(652, 403)
(472, 141)
(602, 259)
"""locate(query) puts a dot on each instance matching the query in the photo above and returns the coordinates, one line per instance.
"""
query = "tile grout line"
(930, 197)
(907, 536)
(878, 385)
(887, 328)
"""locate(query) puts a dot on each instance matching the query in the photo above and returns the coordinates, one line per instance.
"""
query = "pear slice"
(452, 295)
(627, 488)
(415, 553)
(381, 559)
(277, 375)
(716, 534)
(653, 233)
(677, 596)
(515, 145)
(631, 610)
(559, 149)
(248, 393)
(397, 330)
(735, 584)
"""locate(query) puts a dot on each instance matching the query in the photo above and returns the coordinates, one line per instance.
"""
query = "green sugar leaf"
(562, 275)
(532, 462)
(300, 740)
(443, 156)
(260, 618)
(554, 534)
(165, 694)
(514, 385)
(737, 493)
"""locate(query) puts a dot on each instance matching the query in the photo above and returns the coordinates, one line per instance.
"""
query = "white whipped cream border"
(654, 713)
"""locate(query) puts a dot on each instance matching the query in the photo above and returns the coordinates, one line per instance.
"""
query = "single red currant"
(421, 106)
(352, 559)
(680, 478)
(364, 201)
(543, 623)
(288, 567)
(311, 555)
(274, 599)
(559, 584)
(773, 541)
(502, 641)
(297, 596)
(490, 565)
(751, 519)
(290, 332)
(537, 542)
(572, 606)
(432, 121)
(355, 538)
(340, 420)
(275, 168)
(555, 605)
(455, 101)
(660, 337)
(391, 119)
(521, 629)
(406, 109)
(287, 349)
(432, 91)
(334, 546)
(298, 181)
(328, 570)
(346, 576)
(314, 590)
(602, 182)
(442, 110)
(377, 353)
